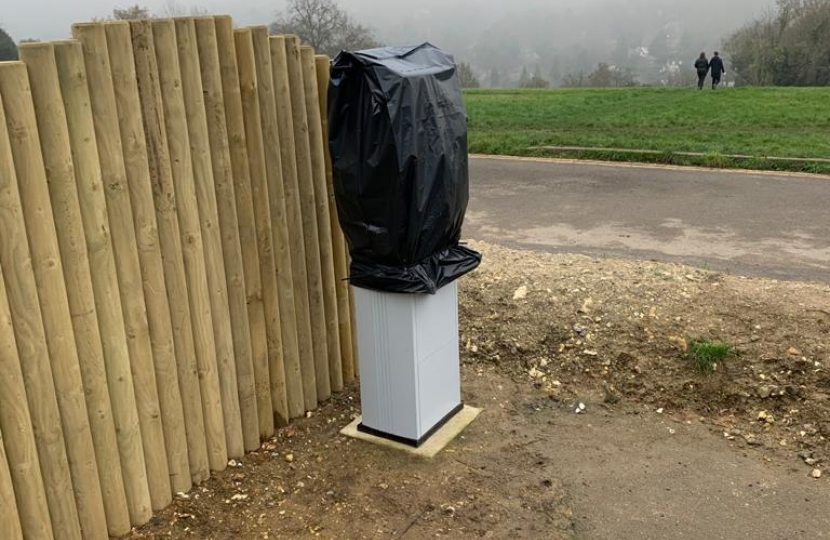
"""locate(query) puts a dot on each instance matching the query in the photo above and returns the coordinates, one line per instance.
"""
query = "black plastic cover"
(398, 140)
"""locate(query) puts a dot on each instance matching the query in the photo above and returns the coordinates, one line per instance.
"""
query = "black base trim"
(415, 443)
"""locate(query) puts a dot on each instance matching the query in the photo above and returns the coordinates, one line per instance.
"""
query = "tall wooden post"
(164, 198)
(9, 516)
(60, 174)
(200, 149)
(24, 466)
(149, 252)
(229, 225)
(341, 257)
(170, 81)
(300, 271)
(251, 110)
(57, 320)
(73, 81)
(119, 209)
(321, 201)
(241, 176)
(282, 249)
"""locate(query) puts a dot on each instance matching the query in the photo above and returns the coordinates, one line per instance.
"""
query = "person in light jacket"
(702, 67)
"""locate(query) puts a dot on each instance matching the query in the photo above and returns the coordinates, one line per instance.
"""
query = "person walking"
(702, 67)
(718, 70)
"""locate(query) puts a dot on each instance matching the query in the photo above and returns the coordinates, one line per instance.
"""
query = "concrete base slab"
(432, 446)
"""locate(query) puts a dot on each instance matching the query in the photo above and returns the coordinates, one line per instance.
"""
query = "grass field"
(783, 122)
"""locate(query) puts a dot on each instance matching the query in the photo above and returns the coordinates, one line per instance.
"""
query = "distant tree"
(495, 78)
(8, 50)
(787, 47)
(131, 12)
(466, 76)
(604, 76)
(524, 78)
(172, 8)
(30, 40)
(537, 81)
(323, 25)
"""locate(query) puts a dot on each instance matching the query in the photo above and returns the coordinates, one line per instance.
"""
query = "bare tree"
(323, 25)
(131, 12)
(466, 76)
(172, 8)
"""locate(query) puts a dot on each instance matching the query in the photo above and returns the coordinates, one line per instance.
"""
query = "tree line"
(788, 46)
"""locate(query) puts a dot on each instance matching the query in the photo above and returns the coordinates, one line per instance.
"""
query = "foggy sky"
(394, 21)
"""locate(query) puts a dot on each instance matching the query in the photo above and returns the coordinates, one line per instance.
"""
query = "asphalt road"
(743, 223)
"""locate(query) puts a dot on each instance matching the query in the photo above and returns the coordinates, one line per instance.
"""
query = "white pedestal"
(409, 366)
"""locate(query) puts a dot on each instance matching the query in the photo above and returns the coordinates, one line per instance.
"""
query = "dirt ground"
(659, 452)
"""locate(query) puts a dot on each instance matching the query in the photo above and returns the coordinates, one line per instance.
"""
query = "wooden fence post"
(134, 144)
(194, 99)
(321, 200)
(308, 210)
(285, 122)
(282, 249)
(164, 199)
(24, 466)
(60, 174)
(164, 34)
(248, 85)
(341, 256)
(246, 221)
(119, 209)
(75, 90)
(9, 516)
(54, 305)
(206, 40)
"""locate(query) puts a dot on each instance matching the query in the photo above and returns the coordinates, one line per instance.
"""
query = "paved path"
(754, 224)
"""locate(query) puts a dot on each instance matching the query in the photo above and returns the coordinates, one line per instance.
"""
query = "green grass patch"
(706, 355)
(780, 122)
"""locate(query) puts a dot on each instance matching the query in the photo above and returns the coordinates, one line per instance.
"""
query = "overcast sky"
(51, 19)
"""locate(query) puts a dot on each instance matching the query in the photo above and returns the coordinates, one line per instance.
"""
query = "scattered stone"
(792, 351)
(660, 410)
(810, 461)
(579, 329)
(289, 458)
(182, 496)
(581, 409)
(239, 497)
(520, 293)
(805, 454)
(764, 392)
(816, 473)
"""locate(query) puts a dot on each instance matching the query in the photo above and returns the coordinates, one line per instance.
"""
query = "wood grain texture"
(264, 235)
(122, 227)
(60, 175)
(209, 59)
(279, 226)
(165, 202)
(134, 144)
(294, 216)
(321, 201)
(200, 150)
(170, 82)
(54, 305)
(9, 517)
(308, 208)
(241, 179)
(29, 503)
(341, 256)
(73, 82)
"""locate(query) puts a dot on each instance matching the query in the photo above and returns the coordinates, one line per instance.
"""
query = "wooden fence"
(171, 266)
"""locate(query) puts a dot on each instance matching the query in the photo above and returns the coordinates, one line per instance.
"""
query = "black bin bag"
(398, 140)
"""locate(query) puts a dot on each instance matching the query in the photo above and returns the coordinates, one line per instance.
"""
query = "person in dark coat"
(717, 68)
(702, 67)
